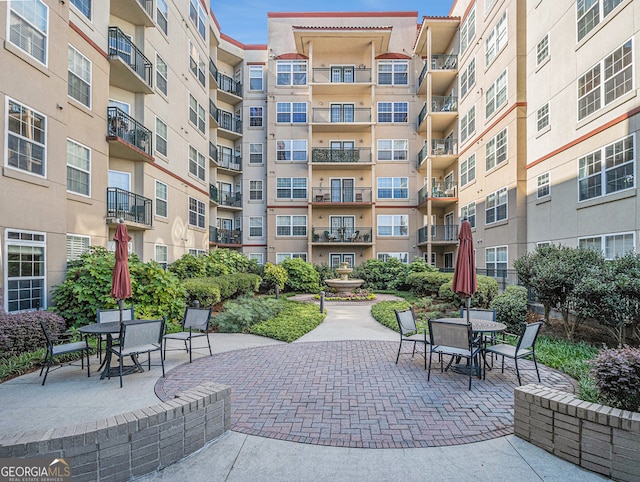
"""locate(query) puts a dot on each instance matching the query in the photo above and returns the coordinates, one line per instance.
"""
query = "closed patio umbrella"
(121, 280)
(465, 283)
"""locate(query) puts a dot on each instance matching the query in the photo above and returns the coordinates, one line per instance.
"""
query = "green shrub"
(382, 275)
(617, 376)
(239, 315)
(21, 332)
(203, 291)
(188, 266)
(325, 272)
(384, 314)
(427, 283)
(274, 275)
(209, 291)
(214, 263)
(302, 277)
(294, 320)
(511, 307)
(487, 290)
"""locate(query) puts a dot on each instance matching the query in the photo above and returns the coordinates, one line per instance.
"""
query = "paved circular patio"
(352, 394)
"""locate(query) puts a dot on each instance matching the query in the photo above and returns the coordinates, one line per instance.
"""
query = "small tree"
(275, 275)
(302, 277)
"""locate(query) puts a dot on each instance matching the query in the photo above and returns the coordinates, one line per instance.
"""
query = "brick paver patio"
(352, 394)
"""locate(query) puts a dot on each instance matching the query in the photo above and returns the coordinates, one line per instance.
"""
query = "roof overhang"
(337, 38)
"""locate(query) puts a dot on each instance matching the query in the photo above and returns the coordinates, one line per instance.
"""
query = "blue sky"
(246, 20)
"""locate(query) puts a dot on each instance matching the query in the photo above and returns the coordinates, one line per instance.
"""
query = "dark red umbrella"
(121, 280)
(465, 283)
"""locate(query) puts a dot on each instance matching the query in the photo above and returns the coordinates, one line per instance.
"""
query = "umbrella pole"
(121, 306)
(468, 308)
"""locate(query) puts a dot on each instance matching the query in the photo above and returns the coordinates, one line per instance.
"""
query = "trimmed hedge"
(209, 291)
(427, 283)
(21, 332)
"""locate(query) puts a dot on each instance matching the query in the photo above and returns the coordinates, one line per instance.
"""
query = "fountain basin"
(344, 286)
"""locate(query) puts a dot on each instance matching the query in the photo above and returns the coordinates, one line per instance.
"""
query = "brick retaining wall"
(599, 438)
(132, 444)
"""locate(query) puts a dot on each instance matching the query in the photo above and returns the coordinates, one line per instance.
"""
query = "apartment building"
(345, 137)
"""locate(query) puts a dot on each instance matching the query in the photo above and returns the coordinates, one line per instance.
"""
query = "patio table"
(108, 328)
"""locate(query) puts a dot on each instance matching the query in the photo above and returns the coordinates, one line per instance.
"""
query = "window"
(197, 252)
(542, 50)
(393, 149)
(25, 268)
(469, 211)
(161, 74)
(496, 40)
(26, 138)
(393, 72)
(291, 225)
(393, 188)
(496, 150)
(291, 150)
(496, 261)
(78, 168)
(542, 116)
(468, 78)
(393, 111)
(616, 173)
(255, 153)
(496, 94)
(257, 257)
(343, 112)
(402, 257)
(544, 185)
(198, 17)
(293, 112)
(280, 257)
(161, 255)
(615, 245)
(468, 170)
(255, 190)
(255, 77)
(468, 124)
(255, 226)
(255, 116)
(162, 199)
(76, 245)
(292, 72)
(609, 79)
(196, 114)
(196, 213)
(196, 64)
(161, 137)
(196, 163)
(589, 14)
(28, 27)
(291, 188)
(84, 6)
(79, 77)
(468, 30)
(162, 15)
(397, 225)
(496, 206)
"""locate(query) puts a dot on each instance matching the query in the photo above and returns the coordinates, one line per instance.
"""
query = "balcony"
(345, 119)
(442, 152)
(128, 138)
(230, 199)
(354, 158)
(229, 90)
(354, 235)
(444, 111)
(439, 193)
(327, 195)
(444, 68)
(230, 237)
(438, 233)
(137, 12)
(213, 194)
(341, 79)
(135, 210)
(230, 163)
(213, 75)
(229, 126)
(130, 69)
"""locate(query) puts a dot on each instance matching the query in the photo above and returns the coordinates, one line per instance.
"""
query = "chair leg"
(535, 362)
(517, 371)
(50, 360)
(121, 370)
(425, 356)
(211, 353)
(88, 369)
(190, 350)
(161, 363)
(429, 371)
(399, 348)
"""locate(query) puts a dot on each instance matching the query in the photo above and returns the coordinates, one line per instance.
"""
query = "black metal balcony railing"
(228, 84)
(213, 193)
(213, 151)
(355, 234)
(125, 127)
(438, 233)
(213, 110)
(228, 161)
(327, 154)
(121, 46)
(446, 103)
(423, 73)
(341, 116)
(447, 189)
(230, 199)
(227, 120)
(422, 114)
(225, 236)
(444, 62)
(128, 206)
(350, 195)
(213, 69)
(341, 75)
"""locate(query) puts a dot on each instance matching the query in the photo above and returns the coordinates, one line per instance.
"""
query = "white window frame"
(257, 257)
(296, 186)
(397, 70)
(392, 225)
(161, 255)
(468, 170)
(196, 64)
(256, 75)
(162, 140)
(256, 151)
(256, 226)
(256, 190)
(497, 260)
(75, 167)
(290, 113)
(198, 17)
(291, 150)
(591, 16)
(601, 243)
(197, 163)
(162, 14)
(295, 226)
(162, 199)
(77, 244)
(280, 257)
(256, 116)
(469, 211)
(542, 50)
(496, 39)
(197, 115)
(83, 76)
(543, 182)
(497, 150)
(28, 21)
(162, 75)
(394, 111)
(403, 257)
(291, 72)
(543, 119)
(468, 124)
(493, 203)
(25, 241)
(25, 141)
(84, 7)
(397, 149)
(398, 187)
(197, 212)
(468, 30)
(496, 95)
(468, 78)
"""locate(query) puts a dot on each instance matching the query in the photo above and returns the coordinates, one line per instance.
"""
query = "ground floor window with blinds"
(26, 268)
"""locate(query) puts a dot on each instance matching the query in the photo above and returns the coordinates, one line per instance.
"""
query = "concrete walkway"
(69, 398)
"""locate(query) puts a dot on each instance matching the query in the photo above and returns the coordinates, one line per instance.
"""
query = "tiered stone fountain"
(344, 284)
